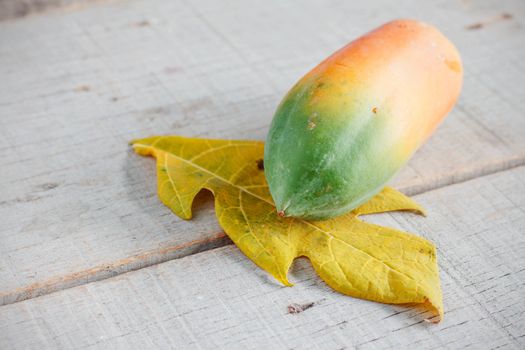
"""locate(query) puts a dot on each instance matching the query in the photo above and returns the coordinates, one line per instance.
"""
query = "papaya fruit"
(354, 120)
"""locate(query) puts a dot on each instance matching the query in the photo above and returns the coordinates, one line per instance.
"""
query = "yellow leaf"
(353, 257)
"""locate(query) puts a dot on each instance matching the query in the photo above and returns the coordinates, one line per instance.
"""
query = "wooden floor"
(90, 258)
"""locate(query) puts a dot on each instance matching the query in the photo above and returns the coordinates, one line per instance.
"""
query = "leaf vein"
(173, 184)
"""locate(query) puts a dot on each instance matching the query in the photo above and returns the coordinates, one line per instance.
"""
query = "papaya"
(345, 128)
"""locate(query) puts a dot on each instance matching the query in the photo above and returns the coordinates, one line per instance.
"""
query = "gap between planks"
(161, 255)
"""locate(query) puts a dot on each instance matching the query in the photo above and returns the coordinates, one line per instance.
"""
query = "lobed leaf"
(356, 258)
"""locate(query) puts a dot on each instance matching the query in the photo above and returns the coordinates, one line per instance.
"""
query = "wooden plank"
(219, 299)
(77, 206)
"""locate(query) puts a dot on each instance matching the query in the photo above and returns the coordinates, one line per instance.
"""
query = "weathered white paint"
(219, 299)
(77, 206)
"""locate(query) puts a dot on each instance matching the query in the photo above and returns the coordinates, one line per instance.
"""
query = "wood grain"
(78, 206)
(219, 299)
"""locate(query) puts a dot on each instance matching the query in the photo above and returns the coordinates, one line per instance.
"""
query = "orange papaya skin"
(354, 120)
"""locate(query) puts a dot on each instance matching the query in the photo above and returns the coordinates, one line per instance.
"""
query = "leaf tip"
(436, 318)
(283, 278)
(144, 147)
(181, 211)
(419, 210)
(186, 216)
(287, 283)
(435, 305)
(140, 149)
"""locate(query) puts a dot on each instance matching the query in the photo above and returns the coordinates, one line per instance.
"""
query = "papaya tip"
(281, 214)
